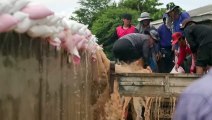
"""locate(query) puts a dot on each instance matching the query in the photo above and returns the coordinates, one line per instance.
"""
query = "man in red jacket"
(177, 38)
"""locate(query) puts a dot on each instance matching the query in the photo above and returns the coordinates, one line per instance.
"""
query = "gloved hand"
(192, 69)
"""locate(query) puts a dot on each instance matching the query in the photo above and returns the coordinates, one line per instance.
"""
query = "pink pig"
(7, 21)
(37, 11)
(79, 41)
(67, 43)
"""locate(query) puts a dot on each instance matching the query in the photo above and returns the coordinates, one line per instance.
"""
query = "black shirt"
(198, 35)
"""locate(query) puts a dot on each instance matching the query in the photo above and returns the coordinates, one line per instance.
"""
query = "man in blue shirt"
(176, 17)
(165, 63)
(195, 102)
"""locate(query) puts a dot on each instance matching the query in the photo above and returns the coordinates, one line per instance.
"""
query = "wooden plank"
(37, 82)
(153, 84)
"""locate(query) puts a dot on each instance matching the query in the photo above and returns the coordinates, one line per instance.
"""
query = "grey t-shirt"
(141, 43)
(140, 29)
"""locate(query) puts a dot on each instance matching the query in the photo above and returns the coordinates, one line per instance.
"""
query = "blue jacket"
(165, 36)
(176, 23)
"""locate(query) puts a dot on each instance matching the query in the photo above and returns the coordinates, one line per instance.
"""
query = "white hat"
(144, 16)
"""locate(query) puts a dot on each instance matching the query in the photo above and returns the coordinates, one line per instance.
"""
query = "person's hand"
(158, 56)
(176, 53)
(192, 69)
(148, 68)
(176, 67)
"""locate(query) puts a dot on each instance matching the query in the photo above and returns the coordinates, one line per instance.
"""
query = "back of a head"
(186, 22)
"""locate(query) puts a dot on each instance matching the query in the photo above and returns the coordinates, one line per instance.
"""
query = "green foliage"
(89, 9)
(144, 6)
(103, 16)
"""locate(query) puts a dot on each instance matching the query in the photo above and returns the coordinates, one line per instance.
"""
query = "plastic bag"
(180, 70)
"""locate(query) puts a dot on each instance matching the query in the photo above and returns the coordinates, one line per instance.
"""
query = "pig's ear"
(76, 59)
(37, 11)
(7, 21)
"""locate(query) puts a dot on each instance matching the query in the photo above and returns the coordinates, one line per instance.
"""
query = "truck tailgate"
(153, 84)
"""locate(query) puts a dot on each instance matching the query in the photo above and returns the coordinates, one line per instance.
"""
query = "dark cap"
(154, 34)
(127, 16)
(186, 22)
(170, 6)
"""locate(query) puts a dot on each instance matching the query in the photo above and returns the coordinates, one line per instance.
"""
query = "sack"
(180, 70)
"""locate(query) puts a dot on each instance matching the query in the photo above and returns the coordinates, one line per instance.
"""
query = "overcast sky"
(69, 6)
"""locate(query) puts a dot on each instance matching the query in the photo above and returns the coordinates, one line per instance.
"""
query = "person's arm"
(200, 70)
(145, 52)
(111, 40)
(137, 28)
(182, 55)
(193, 59)
(190, 39)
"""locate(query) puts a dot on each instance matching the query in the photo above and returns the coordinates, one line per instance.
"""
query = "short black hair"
(127, 16)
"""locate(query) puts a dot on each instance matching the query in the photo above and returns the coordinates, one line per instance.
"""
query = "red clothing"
(121, 31)
(184, 50)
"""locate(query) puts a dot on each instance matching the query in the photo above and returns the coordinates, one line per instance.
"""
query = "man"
(199, 38)
(144, 23)
(144, 27)
(196, 101)
(176, 17)
(134, 46)
(185, 57)
(165, 63)
(121, 30)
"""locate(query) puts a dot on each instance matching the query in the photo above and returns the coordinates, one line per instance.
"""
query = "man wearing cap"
(124, 29)
(144, 27)
(176, 17)
(134, 46)
(165, 63)
(199, 38)
(185, 52)
(144, 23)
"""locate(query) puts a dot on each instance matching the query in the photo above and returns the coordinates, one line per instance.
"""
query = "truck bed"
(153, 84)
